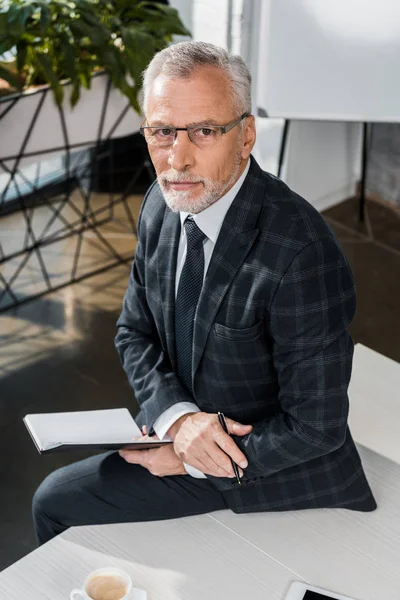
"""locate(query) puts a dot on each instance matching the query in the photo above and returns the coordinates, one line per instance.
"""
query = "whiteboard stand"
(261, 112)
(283, 146)
(268, 144)
(366, 138)
(366, 135)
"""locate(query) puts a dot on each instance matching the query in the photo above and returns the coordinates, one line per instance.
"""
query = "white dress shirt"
(210, 222)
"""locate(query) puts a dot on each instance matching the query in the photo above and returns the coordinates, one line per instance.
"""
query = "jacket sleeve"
(147, 366)
(312, 352)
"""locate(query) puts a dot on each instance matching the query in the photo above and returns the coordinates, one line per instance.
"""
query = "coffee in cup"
(106, 587)
(104, 584)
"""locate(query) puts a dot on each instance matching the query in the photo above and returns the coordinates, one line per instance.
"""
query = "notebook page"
(83, 427)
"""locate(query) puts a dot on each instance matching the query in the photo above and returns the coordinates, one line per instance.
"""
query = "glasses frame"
(223, 128)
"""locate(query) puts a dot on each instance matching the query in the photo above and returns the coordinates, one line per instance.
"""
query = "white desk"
(350, 552)
(374, 394)
(195, 558)
(232, 557)
(238, 557)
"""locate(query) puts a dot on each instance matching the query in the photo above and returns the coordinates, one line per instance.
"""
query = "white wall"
(210, 19)
(236, 29)
(322, 162)
(185, 9)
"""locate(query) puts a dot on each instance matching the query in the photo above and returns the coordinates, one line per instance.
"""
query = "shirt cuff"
(172, 414)
(193, 472)
(167, 419)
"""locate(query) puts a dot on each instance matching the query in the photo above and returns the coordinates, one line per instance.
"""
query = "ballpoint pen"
(221, 419)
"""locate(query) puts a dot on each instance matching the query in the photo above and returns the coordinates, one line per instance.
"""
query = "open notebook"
(110, 429)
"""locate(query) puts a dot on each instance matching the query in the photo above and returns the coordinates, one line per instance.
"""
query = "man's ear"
(249, 136)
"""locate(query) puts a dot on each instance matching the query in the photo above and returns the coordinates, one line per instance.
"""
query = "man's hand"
(201, 442)
(158, 461)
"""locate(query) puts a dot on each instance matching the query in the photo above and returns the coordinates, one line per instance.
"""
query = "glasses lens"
(204, 136)
(165, 136)
(159, 136)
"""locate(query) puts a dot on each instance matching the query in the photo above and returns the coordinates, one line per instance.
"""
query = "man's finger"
(198, 464)
(219, 463)
(215, 462)
(236, 428)
(227, 445)
(135, 457)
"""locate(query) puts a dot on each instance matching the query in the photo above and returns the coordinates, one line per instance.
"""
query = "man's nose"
(182, 153)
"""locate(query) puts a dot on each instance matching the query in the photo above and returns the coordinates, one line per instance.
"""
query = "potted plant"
(69, 47)
(56, 40)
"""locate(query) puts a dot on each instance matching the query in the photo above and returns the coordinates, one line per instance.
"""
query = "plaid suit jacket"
(270, 344)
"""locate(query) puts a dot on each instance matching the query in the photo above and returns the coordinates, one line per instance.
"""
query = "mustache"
(181, 178)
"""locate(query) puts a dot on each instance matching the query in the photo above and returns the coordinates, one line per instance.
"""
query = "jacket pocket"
(249, 334)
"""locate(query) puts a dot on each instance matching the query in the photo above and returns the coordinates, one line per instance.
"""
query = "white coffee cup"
(106, 572)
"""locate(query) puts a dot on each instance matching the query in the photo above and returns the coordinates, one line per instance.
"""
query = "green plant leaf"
(21, 55)
(67, 53)
(157, 16)
(17, 17)
(6, 44)
(45, 64)
(139, 45)
(76, 92)
(85, 81)
(71, 39)
(139, 48)
(3, 25)
(45, 18)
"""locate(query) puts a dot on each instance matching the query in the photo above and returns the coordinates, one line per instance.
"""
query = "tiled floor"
(91, 250)
(57, 353)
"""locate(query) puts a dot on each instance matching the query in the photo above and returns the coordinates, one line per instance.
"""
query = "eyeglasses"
(203, 135)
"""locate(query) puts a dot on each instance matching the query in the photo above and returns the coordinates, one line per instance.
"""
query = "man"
(238, 301)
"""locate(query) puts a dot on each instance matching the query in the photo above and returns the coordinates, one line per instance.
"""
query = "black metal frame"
(282, 149)
(364, 162)
(74, 181)
(366, 133)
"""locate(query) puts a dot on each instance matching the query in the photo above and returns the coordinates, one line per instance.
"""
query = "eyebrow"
(193, 124)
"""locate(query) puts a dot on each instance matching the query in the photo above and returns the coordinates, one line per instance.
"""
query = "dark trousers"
(106, 489)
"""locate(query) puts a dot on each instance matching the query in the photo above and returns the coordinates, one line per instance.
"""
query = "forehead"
(205, 95)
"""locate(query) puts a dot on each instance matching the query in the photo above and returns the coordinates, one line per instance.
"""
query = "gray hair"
(182, 60)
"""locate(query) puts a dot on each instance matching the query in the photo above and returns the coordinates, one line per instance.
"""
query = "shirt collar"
(210, 219)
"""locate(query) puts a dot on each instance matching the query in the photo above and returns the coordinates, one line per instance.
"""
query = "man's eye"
(203, 132)
(165, 132)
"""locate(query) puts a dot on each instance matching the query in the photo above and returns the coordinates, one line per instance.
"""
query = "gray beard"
(213, 191)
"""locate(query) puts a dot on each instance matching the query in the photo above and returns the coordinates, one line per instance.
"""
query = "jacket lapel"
(237, 236)
(166, 266)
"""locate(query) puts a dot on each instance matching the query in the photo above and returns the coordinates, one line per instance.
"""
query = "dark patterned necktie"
(190, 284)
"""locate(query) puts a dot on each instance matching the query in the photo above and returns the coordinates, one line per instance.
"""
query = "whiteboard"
(330, 60)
